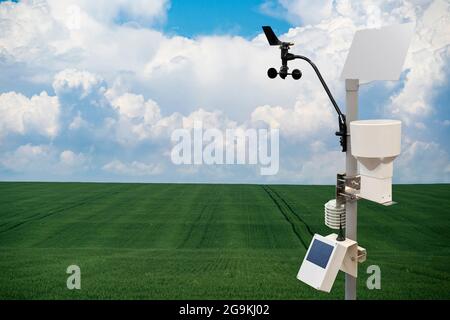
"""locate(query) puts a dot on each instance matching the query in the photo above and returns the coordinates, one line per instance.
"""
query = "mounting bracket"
(347, 188)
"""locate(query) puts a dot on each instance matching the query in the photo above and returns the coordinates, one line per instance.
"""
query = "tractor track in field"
(191, 229)
(207, 225)
(285, 209)
(292, 210)
(56, 211)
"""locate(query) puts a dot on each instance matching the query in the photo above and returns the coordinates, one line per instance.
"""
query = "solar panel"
(378, 54)
(320, 253)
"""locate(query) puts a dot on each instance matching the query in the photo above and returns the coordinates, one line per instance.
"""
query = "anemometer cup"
(272, 73)
(296, 74)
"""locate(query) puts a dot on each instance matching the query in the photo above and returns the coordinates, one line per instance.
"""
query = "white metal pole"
(351, 169)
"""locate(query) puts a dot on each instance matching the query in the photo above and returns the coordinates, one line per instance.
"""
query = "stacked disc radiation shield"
(334, 214)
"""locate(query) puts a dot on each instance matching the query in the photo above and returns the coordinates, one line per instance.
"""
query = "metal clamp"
(353, 182)
(362, 254)
(347, 188)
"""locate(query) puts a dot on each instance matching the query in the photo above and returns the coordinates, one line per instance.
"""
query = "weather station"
(371, 147)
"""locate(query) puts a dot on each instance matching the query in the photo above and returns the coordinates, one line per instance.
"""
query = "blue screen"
(320, 253)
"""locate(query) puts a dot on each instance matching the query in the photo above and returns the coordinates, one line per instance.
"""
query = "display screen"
(320, 253)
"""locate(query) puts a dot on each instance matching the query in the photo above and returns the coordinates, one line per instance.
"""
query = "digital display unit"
(321, 263)
(324, 258)
(320, 253)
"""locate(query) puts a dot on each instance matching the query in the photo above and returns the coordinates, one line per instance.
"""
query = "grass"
(169, 241)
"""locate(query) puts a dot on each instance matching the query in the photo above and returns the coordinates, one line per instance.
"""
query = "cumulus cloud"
(298, 12)
(43, 159)
(42, 36)
(209, 119)
(84, 104)
(27, 157)
(28, 33)
(22, 115)
(426, 63)
(428, 55)
(134, 106)
(109, 11)
(141, 120)
(209, 73)
(80, 83)
(70, 159)
(299, 123)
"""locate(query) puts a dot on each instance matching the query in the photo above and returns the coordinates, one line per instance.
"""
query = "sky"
(93, 90)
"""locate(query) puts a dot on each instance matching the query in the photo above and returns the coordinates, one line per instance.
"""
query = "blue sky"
(99, 87)
(205, 17)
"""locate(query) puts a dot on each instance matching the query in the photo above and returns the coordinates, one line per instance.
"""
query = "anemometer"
(370, 146)
(297, 74)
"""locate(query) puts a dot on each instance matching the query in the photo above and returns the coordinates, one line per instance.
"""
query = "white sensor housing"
(334, 214)
(324, 258)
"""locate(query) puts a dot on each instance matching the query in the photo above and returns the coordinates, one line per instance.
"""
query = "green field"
(169, 241)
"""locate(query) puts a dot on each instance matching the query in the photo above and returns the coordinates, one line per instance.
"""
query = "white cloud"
(27, 158)
(318, 168)
(21, 115)
(300, 122)
(83, 83)
(308, 12)
(156, 62)
(134, 106)
(110, 11)
(78, 122)
(83, 100)
(141, 120)
(427, 60)
(334, 21)
(322, 167)
(38, 35)
(134, 168)
(43, 160)
(209, 119)
(70, 159)
(422, 162)
(369, 13)
(214, 73)
(28, 34)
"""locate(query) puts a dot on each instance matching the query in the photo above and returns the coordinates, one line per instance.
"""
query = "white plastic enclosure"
(375, 144)
(350, 263)
(323, 260)
(376, 138)
(378, 54)
(334, 214)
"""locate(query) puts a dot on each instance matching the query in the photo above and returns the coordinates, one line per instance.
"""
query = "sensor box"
(323, 260)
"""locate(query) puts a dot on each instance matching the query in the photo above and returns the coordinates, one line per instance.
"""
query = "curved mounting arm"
(342, 133)
(336, 107)
(285, 57)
